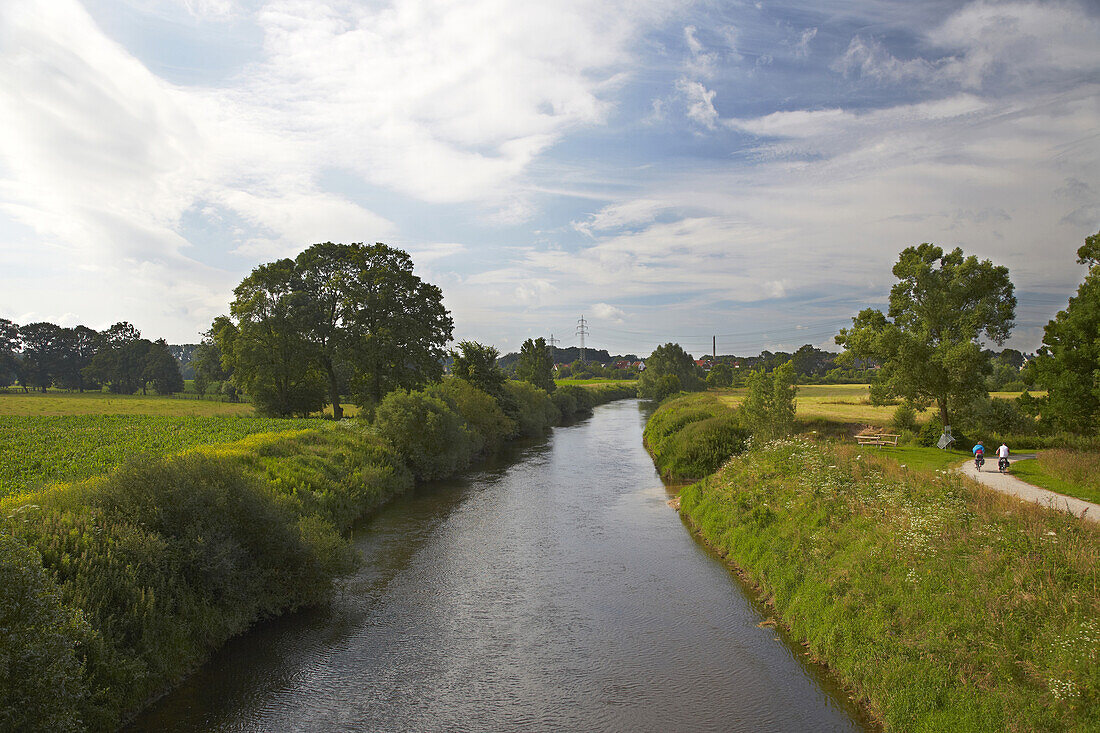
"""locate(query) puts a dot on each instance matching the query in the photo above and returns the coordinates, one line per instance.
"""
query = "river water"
(553, 589)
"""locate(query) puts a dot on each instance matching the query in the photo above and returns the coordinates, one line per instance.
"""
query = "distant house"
(622, 364)
(639, 365)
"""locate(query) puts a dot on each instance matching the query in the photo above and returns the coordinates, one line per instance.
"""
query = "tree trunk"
(333, 391)
(942, 402)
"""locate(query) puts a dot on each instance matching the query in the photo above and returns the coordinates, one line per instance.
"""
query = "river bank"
(548, 589)
(115, 588)
(942, 605)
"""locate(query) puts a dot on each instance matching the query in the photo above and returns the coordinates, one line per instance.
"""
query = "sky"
(669, 170)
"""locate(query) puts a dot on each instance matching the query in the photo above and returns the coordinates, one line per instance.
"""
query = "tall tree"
(269, 348)
(327, 272)
(928, 343)
(477, 364)
(162, 369)
(119, 359)
(769, 406)
(1068, 362)
(42, 353)
(206, 360)
(78, 348)
(536, 364)
(396, 325)
(669, 369)
(10, 344)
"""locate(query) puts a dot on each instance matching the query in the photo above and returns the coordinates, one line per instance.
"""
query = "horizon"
(671, 170)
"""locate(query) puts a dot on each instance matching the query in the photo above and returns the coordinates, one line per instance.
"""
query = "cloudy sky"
(669, 169)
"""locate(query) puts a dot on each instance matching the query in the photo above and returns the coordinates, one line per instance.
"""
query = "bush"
(40, 684)
(930, 433)
(482, 413)
(652, 386)
(905, 418)
(702, 446)
(167, 560)
(533, 409)
(432, 437)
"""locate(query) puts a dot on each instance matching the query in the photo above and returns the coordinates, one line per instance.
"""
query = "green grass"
(918, 458)
(945, 606)
(36, 450)
(1073, 473)
(54, 403)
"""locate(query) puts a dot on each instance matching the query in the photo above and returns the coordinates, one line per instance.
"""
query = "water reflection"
(553, 589)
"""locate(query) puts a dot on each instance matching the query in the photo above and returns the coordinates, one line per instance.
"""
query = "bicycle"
(979, 461)
(1002, 464)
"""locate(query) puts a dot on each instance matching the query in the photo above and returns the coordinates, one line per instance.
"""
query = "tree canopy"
(477, 364)
(536, 364)
(668, 370)
(1068, 362)
(339, 317)
(928, 344)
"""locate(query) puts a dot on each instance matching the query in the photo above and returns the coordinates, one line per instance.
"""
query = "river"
(552, 589)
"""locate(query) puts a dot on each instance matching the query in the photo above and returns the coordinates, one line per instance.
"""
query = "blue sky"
(671, 170)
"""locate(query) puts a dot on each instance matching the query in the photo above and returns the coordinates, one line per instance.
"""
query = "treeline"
(43, 355)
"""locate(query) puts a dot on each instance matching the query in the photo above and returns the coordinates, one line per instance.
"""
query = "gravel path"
(1009, 484)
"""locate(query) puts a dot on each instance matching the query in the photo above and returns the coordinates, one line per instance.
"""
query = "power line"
(582, 331)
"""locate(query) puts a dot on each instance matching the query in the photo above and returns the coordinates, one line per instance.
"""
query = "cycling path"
(1009, 484)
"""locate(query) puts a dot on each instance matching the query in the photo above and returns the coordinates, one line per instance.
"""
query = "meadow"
(1075, 473)
(941, 604)
(56, 402)
(37, 449)
(844, 403)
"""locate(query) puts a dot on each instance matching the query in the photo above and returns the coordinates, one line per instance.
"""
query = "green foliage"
(431, 436)
(720, 375)
(532, 408)
(669, 360)
(161, 369)
(477, 364)
(37, 450)
(996, 417)
(908, 585)
(769, 405)
(40, 685)
(905, 418)
(931, 431)
(939, 307)
(1068, 362)
(691, 436)
(338, 316)
(483, 414)
(536, 364)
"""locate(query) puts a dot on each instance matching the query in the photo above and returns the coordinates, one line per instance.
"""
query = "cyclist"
(979, 455)
(1002, 458)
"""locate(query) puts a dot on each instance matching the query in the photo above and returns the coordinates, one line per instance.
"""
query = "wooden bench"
(879, 439)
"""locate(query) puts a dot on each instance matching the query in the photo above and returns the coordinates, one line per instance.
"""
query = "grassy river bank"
(114, 587)
(941, 605)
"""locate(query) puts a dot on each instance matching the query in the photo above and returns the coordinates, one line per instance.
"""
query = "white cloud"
(802, 48)
(607, 312)
(699, 101)
(869, 59)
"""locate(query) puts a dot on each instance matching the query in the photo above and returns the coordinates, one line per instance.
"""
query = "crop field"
(36, 450)
(847, 403)
(102, 403)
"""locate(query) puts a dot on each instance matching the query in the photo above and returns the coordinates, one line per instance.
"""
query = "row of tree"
(43, 355)
(944, 304)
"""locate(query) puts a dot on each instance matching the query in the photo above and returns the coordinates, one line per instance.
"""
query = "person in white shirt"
(1002, 458)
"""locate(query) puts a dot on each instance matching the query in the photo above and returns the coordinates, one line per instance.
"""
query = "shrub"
(482, 413)
(905, 418)
(426, 431)
(534, 410)
(930, 433)
(40, 684)
(658, 387)
(701, 447)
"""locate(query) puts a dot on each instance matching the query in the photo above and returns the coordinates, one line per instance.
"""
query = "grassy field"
(847, 403)
(1073, 473)
(46, 449)
(102, 403)
(942, 604)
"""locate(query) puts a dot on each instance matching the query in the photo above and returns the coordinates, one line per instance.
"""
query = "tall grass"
(692, 435)
(1071, 472)
(945, 606)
